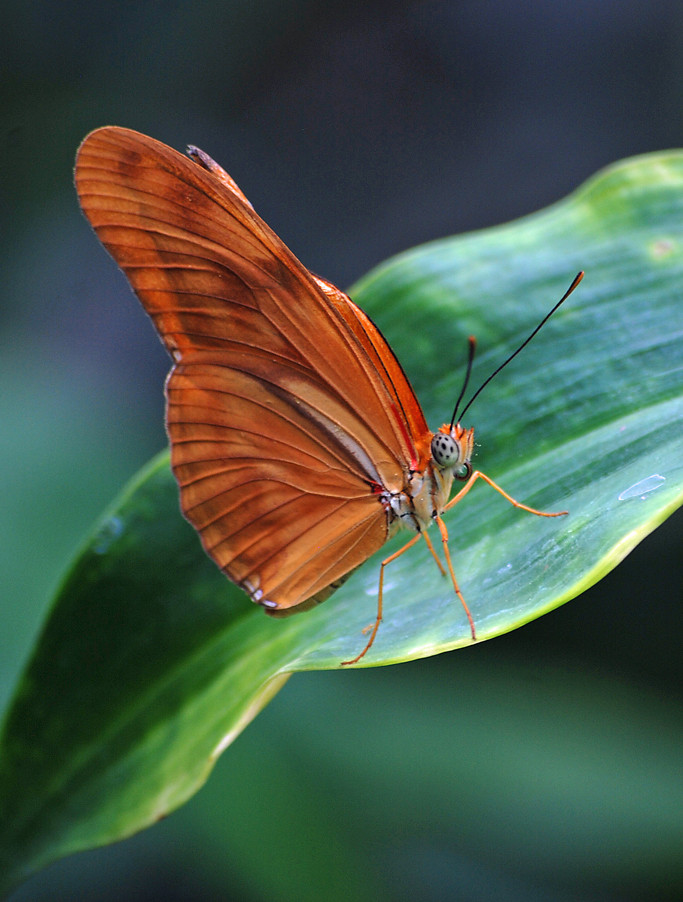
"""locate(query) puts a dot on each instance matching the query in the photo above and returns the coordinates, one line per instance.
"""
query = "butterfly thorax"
(427, 487)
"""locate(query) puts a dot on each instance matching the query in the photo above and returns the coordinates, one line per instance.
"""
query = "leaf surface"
(151, 662)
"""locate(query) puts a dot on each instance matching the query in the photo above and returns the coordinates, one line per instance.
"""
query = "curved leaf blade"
(151, 662)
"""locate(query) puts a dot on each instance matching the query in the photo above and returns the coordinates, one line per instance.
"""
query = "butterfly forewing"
(376, 347)
(288, 414)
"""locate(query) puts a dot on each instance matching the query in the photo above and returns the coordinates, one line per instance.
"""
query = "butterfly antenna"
(512, 356)
(468, 372)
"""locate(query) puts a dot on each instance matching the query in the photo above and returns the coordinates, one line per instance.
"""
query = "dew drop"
(643, 487)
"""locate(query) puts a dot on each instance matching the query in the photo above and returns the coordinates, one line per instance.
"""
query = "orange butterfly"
(296, 439)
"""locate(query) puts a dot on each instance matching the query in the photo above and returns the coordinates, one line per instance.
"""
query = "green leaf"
(151, 662)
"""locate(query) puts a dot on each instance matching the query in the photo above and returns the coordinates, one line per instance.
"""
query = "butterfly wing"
(287, 411)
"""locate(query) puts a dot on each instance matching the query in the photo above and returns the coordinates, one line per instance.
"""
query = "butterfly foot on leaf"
(370, 626)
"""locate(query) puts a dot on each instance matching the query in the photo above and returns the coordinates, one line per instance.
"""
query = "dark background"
(357, 130)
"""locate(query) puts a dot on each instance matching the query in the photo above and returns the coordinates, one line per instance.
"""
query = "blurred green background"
(543, 765)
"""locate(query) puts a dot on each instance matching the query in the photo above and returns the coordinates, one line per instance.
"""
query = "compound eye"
(445, 450)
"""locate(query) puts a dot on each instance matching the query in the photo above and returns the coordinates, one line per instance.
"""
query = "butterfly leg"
(477, 474)
(444, 538)
(375, 626)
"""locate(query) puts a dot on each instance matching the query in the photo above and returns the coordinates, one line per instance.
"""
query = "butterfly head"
(452, 448)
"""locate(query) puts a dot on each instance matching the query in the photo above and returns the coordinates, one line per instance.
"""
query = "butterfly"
(297, 442)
